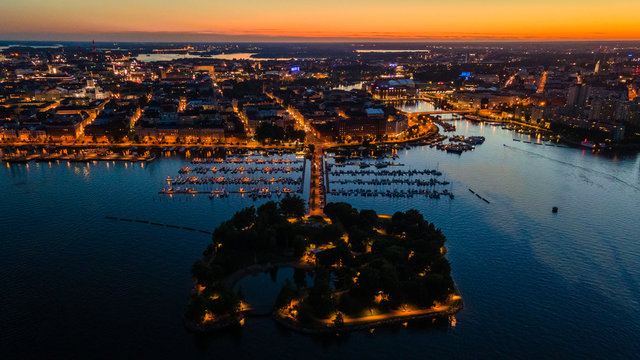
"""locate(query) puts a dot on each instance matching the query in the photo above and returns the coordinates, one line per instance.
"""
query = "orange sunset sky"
(306, 20)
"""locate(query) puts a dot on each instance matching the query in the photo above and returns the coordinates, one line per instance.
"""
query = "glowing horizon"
(311, 20)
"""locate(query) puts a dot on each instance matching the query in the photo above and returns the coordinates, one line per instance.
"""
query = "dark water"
(535, 284)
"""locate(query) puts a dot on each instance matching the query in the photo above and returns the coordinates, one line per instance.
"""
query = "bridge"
(439, 112)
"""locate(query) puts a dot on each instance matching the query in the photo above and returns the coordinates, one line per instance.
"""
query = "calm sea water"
(535, 284)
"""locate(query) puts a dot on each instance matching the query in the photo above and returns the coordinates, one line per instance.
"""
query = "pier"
(317, 196)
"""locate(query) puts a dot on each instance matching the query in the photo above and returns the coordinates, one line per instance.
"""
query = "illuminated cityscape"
(295, 179)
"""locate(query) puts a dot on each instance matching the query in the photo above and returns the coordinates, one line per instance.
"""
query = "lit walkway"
(317, 196)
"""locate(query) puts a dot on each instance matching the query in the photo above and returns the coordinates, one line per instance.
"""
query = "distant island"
(367, 269)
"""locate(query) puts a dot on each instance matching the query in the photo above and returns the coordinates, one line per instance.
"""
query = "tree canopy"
(362, 262)
(271, 133)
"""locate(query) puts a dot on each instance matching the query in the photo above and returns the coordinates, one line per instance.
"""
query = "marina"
(397, 183)
(242, 174)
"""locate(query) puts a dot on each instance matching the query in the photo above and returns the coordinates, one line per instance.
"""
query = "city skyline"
(286, 20)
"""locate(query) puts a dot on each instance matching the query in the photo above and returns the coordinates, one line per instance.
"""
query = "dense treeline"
(384, 265)
(362, 262)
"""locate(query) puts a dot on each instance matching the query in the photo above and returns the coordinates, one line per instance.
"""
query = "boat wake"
(578, 167)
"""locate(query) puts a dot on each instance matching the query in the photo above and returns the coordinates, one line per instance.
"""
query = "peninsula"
(367, 269)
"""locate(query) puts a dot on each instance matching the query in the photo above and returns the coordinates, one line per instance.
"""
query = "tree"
(328, 234)
(196, 309)
(341, 212)
(202, 272)
(339, 320)
(291, 134)
(227, 302)
(267, 132)
(286, 295)
(292, 206)
(268, 213)
(368, 218)
(244, 218)
(358, 238)
(273, 273)
(349, 305)
(300, 278)
(320, 299)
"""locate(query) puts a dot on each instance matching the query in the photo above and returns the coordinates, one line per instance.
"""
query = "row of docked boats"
(459, 144)
(240, 170)
(378, 165)
(244, 161)
(471, 140)
(361, 172)
(268, 194)
(445, 125)
(254, 193)
(432, 141)
(364, 165)
(456, 148)
(78, 157)
(432, 194)
(194, 180)
(178, 190)
(386, 182)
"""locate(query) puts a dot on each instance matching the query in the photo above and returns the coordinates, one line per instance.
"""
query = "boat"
(588, 144)
(16, 160)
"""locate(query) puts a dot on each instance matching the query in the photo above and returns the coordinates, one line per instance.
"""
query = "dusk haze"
(304, 20)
